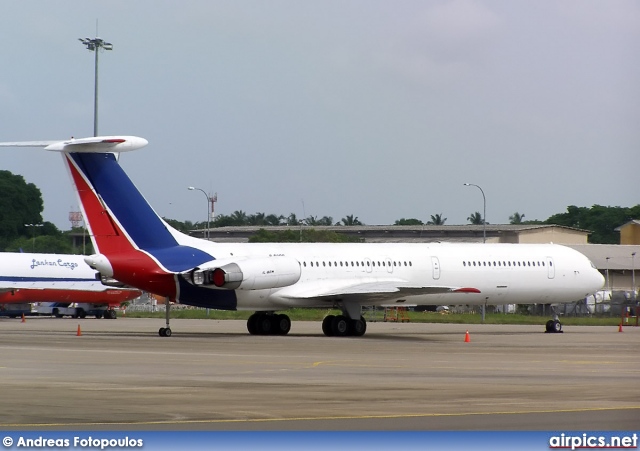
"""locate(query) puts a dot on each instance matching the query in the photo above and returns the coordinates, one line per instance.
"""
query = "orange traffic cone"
(23, 318)
(79, 333)
(620, 328)
(467, 339)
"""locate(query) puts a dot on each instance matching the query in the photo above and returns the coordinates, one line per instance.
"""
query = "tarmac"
(90, 374)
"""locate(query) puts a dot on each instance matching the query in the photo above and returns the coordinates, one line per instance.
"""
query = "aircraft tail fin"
(119, 218)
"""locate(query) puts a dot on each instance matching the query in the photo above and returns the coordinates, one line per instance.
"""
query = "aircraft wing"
(364, 290)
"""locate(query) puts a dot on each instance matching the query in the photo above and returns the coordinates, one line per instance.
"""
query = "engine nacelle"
(250, 274)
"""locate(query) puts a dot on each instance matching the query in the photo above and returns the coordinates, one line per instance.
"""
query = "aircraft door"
(550, 268)
(368, 265)
(389, 264)
(435, 266)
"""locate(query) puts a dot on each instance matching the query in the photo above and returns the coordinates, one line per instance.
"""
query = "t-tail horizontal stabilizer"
(97, 144)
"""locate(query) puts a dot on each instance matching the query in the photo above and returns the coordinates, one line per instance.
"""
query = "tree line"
(22, 227)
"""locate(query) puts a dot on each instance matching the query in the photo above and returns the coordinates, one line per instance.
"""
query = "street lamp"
(633, 274)
(484, 214)
(192, 188)
(33, 243)
(94, 45)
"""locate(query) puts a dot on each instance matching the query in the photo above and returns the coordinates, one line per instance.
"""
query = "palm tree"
(475, 218)
(437, 220)
(408, 221)
(239, 218)
(325, 221)
(273, 220)
(516, 218)
(351, 220)
(311, 220)
(256, 219)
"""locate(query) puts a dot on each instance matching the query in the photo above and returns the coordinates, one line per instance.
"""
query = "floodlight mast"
(94, 45)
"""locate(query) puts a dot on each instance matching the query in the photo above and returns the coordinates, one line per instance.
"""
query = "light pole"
(484, 233)
(192, 188)
(95, 45)
(484, 213)
(33, 243)
(633, 274)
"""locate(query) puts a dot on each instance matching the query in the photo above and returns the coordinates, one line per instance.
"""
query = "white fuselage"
(502, 273)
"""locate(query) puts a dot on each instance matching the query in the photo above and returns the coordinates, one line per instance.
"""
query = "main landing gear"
(343, 326)
(268, 323)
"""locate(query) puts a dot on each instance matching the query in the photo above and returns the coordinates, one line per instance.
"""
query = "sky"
(377, 109)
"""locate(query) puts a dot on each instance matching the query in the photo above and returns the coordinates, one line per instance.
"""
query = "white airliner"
(139, 249)
(30, 278)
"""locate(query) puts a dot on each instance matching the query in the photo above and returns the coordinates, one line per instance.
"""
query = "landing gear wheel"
(264, 325)
(112, 314)
(358, 327)
(164, 332)
(549, 326)
(553, 326)
(340, 326)
(282, 324)
(557, 327)
(326, 325)
(251, 324)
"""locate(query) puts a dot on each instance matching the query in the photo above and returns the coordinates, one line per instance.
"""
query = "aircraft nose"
(598, 280)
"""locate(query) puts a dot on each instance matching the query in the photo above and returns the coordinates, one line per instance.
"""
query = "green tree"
(437, 220)
(239, 218)
(292, 220)
(601, 221)
(475, 218)
(184, 227)
(516, 218)
(20, 204)
(273, 220)
(409, 221)
(351, 220)
(311, 220)
(43, 244)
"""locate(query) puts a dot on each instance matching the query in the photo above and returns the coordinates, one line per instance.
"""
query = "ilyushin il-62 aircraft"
(136, 247)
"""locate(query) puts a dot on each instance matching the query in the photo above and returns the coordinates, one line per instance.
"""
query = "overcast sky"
(380, 109)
